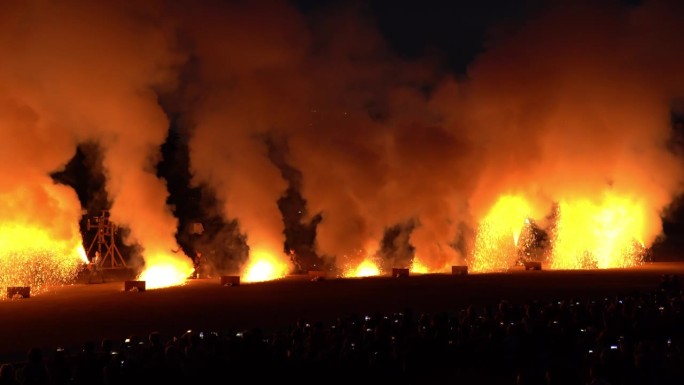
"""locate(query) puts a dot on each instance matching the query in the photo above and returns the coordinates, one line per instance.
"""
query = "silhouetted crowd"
(628, 339)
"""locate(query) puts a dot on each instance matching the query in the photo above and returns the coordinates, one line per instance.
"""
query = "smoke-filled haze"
(564, 120)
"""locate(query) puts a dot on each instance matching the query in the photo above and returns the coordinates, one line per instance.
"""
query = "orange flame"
(163, 270)
(602, 235)
(418, 267)
(367, 268)
(264, 266)
(80, 251)
(31, 256)
(495, 249)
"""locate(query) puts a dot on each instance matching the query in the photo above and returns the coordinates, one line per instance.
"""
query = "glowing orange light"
(605, 234)
(264, 266)
(418, 267)
(163, 270)
(31, 256)
(495, 249)
(367, 268)
(80, 251)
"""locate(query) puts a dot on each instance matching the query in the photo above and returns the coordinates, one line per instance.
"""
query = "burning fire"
(367, 268)
(586, 234)
(164, 270)
(264, 266)
(498, 234)
(418, 267)
(30, 256)
(80, 250)
(600, 235)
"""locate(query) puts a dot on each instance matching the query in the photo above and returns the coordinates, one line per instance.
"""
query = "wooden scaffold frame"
(104, 243)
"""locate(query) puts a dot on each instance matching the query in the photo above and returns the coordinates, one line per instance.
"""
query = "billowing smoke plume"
(243, 98)
(571, 107)
(575, 107)
(358, 129)
(567, 112)
(90, 71)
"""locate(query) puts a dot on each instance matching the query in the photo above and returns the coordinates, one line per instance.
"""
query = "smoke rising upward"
(243, 99)
(85, 71)
(576, 106)
(570, 109)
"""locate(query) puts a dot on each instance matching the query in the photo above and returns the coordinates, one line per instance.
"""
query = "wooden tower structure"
(104, 243)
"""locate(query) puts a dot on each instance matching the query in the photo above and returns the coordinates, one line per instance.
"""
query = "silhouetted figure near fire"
(96, 269)
(295, 262)
(197, 263)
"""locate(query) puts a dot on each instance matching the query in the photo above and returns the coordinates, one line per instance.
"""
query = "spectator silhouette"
(88, 369)
(153, 358)
(34, 372)
(635, 339)
(173, 365)
(8, 375)
(60, 368)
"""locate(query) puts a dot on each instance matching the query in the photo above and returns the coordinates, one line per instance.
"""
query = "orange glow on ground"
(164, 271)
(264, 266)
(602, 235)
(30, 256)
(495, 243)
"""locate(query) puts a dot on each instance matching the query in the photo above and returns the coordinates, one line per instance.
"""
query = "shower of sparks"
(30, 257)
(598, 235)
(498, 233)
(367, 268)
(528, 246)
(418, 267)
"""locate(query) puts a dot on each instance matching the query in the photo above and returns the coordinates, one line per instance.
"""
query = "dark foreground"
(67, 316)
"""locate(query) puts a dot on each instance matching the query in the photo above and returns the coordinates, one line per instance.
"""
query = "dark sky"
(454, 31)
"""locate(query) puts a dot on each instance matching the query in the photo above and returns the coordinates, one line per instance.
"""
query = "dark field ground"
(67, 316)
